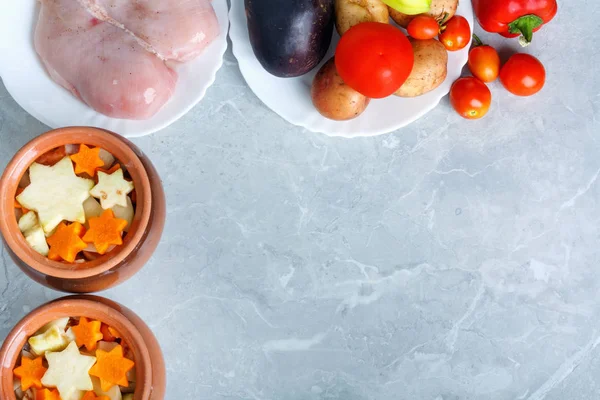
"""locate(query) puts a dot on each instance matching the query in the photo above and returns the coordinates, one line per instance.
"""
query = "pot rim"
(75, 306)
(121, 149)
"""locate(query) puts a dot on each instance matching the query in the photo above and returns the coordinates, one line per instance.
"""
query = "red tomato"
(423, 27)
(374, 59)
(523, 75)
(470, 97)
(484, 63)
(457, 33)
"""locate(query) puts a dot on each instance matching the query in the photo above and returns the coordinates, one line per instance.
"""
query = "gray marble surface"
(449, 260)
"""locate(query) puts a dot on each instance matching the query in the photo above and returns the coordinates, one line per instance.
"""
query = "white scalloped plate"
(31, 87)
(290, 97)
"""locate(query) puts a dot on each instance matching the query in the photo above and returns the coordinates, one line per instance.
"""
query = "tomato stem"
(477, 42)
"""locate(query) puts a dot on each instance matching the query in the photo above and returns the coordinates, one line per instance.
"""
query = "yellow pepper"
(409, 7)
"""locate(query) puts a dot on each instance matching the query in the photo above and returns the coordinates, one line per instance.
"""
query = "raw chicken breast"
(175, 29)
(101, 64)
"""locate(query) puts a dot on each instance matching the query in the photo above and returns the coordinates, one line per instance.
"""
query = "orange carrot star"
(92, 396)
(47, 394)
(66, 242)
(30, 372)
(87, 160)
(111, 368)
(105, 230)
(87, 333)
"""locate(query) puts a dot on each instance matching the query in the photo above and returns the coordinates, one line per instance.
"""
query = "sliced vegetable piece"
(66, 242)
(107, 158)
(87, 333)
(87, 160)
(68, 371)
(112, 368)
(47, 394)
(56, 194)
(112, 189)
(105, 231)
(30, 372)
(51, 340)
(125, 213)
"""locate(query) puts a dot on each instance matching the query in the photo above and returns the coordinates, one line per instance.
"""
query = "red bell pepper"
(512, 18)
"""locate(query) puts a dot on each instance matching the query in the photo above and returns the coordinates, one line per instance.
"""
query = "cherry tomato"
(374, 59)
(457, 33)
(470, 97)
(484, 61)
(423, 27)
(523, 75)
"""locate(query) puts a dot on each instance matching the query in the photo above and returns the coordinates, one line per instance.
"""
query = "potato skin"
(352, 12)
(430, 68)
(333, 98)
(439, 8)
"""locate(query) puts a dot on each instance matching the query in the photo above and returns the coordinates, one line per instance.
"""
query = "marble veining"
(451, 260)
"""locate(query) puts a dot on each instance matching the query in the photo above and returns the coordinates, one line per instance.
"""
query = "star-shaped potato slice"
(56, 194)
(68, 371)
(111, 189)
(112, 368)
(53, 339)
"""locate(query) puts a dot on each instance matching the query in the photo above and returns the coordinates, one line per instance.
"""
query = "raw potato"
(439, 9)
(352, 12)
(333, 98)
(430, 68)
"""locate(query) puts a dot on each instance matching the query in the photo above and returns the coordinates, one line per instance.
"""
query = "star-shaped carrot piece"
(31, 372)
(92, 396)
(87, 333)
(111, 368)
(66, 242)
(105, 231)
(87, 160)
(47, 394)
(112, 189)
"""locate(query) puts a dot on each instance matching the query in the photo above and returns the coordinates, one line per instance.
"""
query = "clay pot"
(113, 267)
(149, 362)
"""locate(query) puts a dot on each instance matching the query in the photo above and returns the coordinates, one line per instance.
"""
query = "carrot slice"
(31, 372)
(87, 333)
(87, 160)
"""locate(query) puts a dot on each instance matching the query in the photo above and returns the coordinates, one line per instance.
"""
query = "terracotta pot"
(150, 366)
(114, 267)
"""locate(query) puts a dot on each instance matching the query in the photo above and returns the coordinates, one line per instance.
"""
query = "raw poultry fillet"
(111, 53)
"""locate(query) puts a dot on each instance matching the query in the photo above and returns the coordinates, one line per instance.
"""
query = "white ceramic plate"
(31, 87)
(290, 97)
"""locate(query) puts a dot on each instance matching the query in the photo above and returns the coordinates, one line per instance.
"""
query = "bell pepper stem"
(525, 26)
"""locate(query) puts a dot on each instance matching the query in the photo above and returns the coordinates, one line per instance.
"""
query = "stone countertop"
(449, 260)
